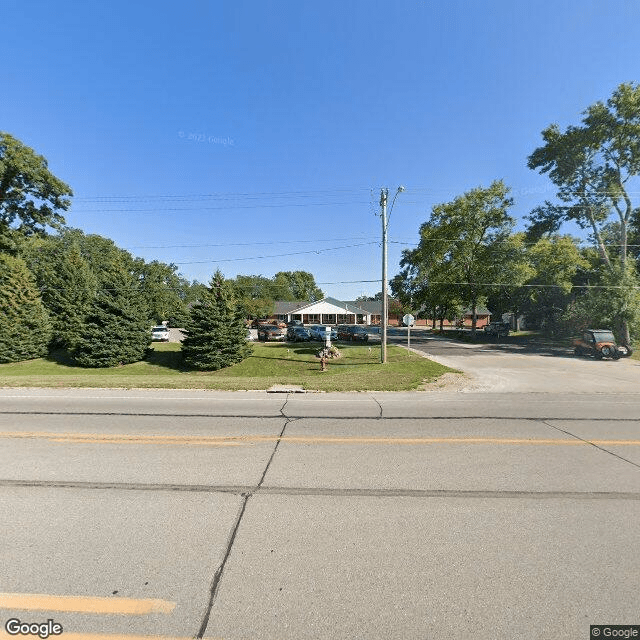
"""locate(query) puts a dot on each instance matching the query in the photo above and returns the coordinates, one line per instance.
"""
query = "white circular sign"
(408, 320)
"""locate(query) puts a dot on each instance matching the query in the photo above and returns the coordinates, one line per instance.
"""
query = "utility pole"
(384, 194)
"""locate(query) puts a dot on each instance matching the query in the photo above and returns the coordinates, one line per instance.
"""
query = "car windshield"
(603, 336)
(160, 329)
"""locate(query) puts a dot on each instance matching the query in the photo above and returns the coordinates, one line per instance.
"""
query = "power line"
(278, 255)
(156, 210)
(534, 286)
(242, 244)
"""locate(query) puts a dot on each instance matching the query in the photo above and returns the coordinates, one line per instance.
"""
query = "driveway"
(503, 367)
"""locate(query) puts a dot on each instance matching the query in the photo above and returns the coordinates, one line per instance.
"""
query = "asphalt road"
(181, 514)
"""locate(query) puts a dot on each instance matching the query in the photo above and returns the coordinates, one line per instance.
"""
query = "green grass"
(271, 364)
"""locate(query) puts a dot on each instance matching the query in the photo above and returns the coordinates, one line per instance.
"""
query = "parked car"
(278, 323)
(352, 333)
(267, 332)
(298, 334)
(600, 343)
(160, 333)
(500, 328)
(318, 332)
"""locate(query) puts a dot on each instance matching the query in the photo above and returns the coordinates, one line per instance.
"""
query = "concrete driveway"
(501, 367)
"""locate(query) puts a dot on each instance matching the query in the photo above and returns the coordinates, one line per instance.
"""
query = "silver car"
(318, 332)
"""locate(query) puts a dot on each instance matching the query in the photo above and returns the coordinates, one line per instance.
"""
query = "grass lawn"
(359, 369)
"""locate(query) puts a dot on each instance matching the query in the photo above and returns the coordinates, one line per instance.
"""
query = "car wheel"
(598, 355)
(577, 351)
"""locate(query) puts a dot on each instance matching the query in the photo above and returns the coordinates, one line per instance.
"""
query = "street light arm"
(400, 190)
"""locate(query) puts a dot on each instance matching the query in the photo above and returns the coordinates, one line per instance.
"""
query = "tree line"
(469, 255)
(81, 295)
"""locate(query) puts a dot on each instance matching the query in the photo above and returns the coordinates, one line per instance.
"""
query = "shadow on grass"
(169, 359)
(62, 357)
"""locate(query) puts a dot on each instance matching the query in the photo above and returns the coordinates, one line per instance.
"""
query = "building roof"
(282, 307)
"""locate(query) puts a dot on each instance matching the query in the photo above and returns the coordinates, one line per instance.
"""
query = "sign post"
(408, 320)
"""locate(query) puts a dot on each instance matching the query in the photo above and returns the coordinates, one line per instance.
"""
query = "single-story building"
(333, 311)
(325, 311)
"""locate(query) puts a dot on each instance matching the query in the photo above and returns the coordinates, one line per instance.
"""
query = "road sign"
(408, 320)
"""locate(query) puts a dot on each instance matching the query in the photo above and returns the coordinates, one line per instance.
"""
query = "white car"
(160, 333)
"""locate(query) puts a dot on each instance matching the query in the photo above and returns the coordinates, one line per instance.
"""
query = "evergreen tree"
(25, 329)
(116, 330)
(66, 281)
(216, 331)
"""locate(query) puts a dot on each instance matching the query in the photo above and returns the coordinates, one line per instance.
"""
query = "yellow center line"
(235, 441)
(66, 635)
(84, 604)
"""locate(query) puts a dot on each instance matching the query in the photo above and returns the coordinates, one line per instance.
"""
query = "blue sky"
(254, 136)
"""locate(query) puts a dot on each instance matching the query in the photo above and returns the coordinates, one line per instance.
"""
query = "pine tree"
(25, 329)
(67, 283)
(216, 331)
(116, 329)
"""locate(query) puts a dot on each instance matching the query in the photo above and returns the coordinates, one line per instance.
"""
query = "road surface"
(182, 514)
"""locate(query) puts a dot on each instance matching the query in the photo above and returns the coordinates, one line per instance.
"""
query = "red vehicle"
(267, 332)
(600, 343)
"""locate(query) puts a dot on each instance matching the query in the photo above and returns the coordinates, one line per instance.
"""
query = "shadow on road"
(450, 344)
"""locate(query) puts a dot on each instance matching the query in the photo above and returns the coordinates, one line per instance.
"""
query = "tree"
(257, 294)
(553, 263)
(376, 298)
(254, 294)
(66, 282)
(466, 249)
(116, 329)
(31, 197)
(603, 303)
(421, 286)
(216, 332)
(296, 285)
(593, 166)
(163, 290)
(24, 324)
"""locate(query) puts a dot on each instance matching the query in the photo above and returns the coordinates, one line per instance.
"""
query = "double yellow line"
(235, 441)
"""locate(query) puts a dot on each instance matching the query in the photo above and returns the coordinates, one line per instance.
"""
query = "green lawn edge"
(359, 369)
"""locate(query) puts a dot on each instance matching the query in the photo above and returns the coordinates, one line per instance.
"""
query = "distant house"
(483, 317)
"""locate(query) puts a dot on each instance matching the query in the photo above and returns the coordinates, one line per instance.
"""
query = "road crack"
(593, 444)
(217, 577)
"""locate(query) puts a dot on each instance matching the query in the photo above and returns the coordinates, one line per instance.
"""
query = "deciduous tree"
(594, 166)
(466, 249)
(31, 197)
